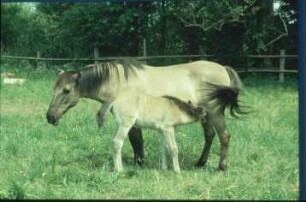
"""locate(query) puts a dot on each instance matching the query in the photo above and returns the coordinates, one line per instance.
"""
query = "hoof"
(222, 168)
(199, 164)
(139, 162)
(177, 171)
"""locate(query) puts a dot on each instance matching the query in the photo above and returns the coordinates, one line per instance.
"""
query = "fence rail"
(272, 56)
(138, 57)
(105, 58)
(258, 70)
(280, 70)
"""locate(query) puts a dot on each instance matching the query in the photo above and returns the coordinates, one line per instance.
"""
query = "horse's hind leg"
(136, 140)
(209, 135)
(224, 136)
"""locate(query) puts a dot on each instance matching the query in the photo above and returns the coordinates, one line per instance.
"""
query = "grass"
(73, 160)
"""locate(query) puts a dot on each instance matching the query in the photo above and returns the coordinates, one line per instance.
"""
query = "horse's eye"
(66, 91)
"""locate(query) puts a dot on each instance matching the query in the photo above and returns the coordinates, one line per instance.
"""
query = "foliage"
(22, 30)
(223, 28)
(113, 28)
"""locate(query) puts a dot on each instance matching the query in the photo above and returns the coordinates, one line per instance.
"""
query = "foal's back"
(150, 111)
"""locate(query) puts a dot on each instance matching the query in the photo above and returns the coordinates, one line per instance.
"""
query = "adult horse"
(190, 81)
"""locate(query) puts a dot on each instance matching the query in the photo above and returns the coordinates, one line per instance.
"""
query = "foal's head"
(66, 95)
(201, 113)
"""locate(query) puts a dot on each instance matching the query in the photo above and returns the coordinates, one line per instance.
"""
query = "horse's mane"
(187, 107)
(94, 75)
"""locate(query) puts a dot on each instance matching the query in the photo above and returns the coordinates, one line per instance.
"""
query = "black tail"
(226, 96)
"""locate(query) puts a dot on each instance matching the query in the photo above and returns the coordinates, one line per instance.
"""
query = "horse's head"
(66, 95)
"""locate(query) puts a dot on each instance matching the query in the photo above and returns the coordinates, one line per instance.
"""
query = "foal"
(159, 113)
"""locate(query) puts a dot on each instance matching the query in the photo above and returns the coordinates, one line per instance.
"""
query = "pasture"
(74, 159)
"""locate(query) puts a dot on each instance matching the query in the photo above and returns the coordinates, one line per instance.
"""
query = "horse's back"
(208, 71)
(200, 70)
(148, 111)
(156, 112)
(183, 80)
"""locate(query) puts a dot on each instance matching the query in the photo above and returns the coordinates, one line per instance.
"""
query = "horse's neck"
(111, 90)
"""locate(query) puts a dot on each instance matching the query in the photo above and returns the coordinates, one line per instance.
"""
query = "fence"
(281, 70)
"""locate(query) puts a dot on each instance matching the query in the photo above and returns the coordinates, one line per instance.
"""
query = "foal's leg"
(170, 139)
(163, 151)
(135, 135)
(136, 140)
(117, 147)
(209, 134)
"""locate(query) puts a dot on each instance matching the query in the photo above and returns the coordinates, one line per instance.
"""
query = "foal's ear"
(76, 76)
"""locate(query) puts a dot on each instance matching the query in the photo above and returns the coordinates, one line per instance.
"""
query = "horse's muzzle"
(51, 119)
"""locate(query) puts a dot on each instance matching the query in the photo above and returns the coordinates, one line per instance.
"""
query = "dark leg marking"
(209, 135)
(136, 140)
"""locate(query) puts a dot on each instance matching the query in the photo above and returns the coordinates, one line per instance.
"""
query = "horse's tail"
(196, 112)
(225, 96)
(234, 78)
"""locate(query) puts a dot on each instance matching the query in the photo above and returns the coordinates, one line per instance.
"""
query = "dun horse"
(104, 82)
(159, 113)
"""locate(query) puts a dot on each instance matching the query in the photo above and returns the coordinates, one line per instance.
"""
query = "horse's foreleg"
(209, 135)
(101, 114)
(136, 140)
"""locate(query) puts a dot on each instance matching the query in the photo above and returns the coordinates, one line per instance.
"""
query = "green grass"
(73, 160)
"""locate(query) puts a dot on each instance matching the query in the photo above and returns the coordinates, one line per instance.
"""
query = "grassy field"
(73, 160)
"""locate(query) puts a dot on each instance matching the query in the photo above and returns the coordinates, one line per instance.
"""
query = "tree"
(22, 29)
(224, 28)
(115, 29)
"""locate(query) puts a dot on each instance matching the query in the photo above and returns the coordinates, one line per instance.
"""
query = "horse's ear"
(76, 76)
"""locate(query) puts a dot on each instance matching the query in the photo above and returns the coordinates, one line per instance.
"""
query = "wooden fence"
(281, 70)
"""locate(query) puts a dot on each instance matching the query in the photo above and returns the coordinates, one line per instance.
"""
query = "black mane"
(94, 75)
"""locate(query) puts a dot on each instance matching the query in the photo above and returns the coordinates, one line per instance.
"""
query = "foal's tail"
(225, 96)
(196, 112)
